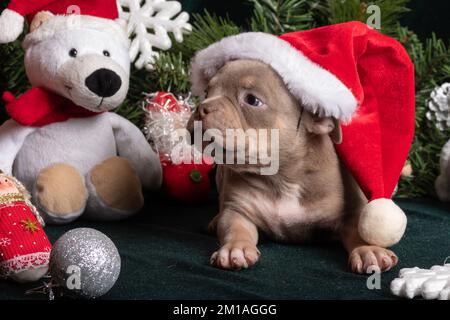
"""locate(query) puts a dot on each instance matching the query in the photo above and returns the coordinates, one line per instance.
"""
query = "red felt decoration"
(98, 8)
(38, 107)
(188, 182)
(23, 242)
(166, 101)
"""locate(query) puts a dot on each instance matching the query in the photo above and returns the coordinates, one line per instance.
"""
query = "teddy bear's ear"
(39, 19)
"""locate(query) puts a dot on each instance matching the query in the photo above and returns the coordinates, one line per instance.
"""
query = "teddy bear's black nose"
(103, 82)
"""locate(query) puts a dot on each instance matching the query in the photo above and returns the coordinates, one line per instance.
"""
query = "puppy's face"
(248, 94)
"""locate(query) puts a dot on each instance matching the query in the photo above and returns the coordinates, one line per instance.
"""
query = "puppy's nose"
(104, 83)
(206, 108)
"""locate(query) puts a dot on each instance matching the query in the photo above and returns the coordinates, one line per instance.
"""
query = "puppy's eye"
(73, 53)
(106, 53)
(253, 101)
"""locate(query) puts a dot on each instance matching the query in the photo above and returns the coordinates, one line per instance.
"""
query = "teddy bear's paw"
(235, 256)
(362, 259)
(60, 194)
(115, 191)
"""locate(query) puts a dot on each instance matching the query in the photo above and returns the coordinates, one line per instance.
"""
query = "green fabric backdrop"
(165, 252)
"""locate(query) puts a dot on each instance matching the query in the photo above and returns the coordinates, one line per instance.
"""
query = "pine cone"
(439, 107)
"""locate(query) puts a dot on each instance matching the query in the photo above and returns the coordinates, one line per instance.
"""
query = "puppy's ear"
(326, 125)
(336, 134)
(39, 19)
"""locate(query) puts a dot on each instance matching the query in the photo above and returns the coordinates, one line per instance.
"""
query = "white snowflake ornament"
(439, 107)
(433, 283)
(149, 23)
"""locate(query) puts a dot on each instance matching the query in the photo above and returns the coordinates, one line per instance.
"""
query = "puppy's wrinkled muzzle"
(211, 105)
(190, 124)
(214, 113)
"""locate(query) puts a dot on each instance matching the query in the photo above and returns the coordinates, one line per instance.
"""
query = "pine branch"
(281, 16)
(349, 10)
(207, 29)
(12, 72)
(172, 73)
(320, 12)
(432, 68)
(432, 62)
(132, 110)
(391, 13)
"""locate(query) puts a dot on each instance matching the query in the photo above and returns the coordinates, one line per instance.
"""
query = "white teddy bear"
(62, 143)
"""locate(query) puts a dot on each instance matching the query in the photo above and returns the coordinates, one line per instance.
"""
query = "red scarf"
(38, 107)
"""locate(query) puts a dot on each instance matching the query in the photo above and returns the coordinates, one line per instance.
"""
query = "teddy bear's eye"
(73, 53)
(106, 53)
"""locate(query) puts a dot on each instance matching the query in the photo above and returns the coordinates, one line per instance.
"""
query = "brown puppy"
(310, 193)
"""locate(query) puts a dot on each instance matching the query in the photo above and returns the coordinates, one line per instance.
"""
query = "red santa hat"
(357, 75)
(12, 19)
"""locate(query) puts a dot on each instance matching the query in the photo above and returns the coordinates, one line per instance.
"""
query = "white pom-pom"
(382, 223)
(11, 26)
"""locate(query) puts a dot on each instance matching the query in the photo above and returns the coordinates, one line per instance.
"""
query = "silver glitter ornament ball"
(85, 262)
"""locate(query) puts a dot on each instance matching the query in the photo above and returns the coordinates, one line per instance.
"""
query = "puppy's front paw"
(361, 258)
(235, 256)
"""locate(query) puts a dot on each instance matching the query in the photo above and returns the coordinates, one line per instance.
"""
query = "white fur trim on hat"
(382, 223)
(316, 88)
(11, 26)
(76, 22)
